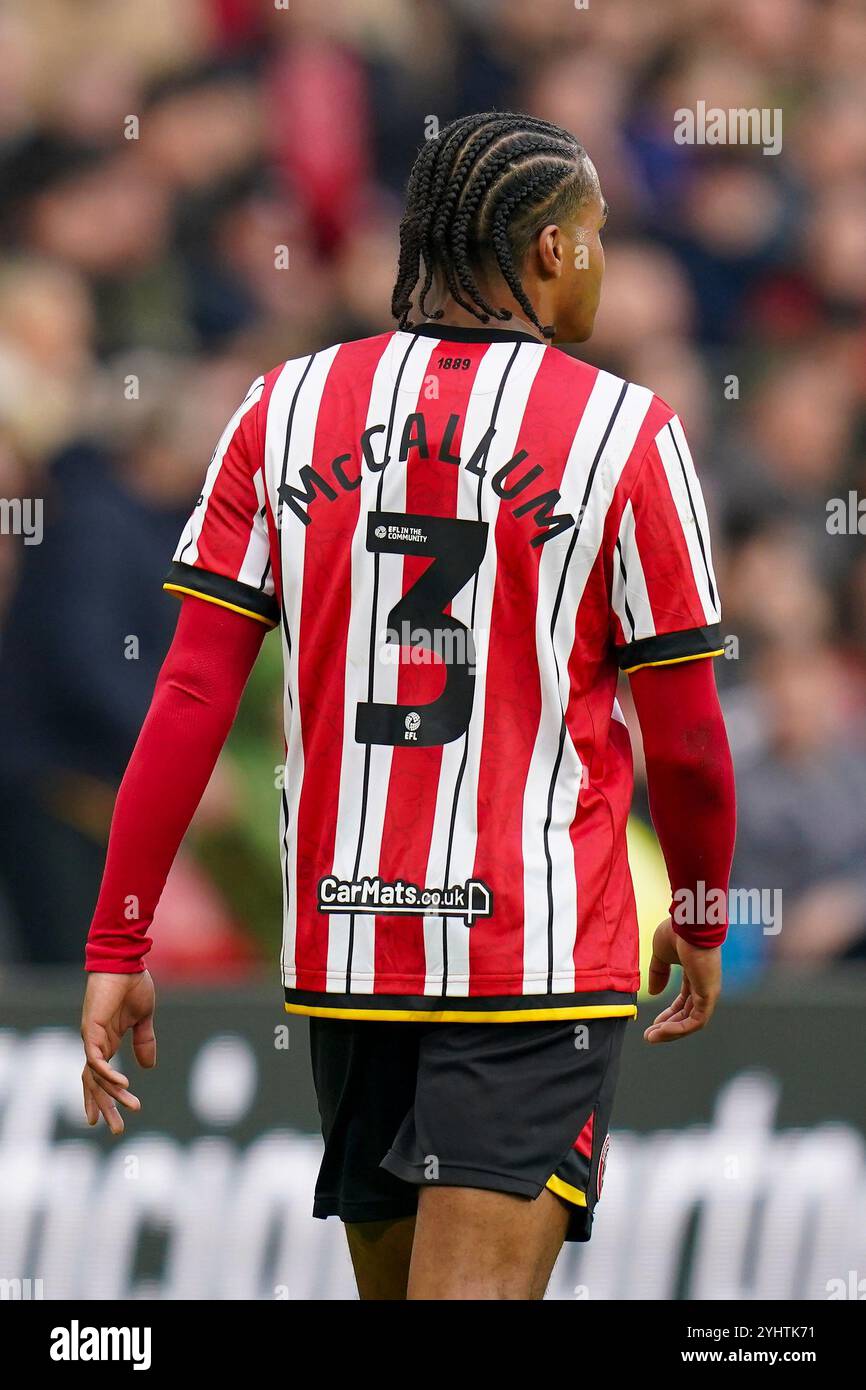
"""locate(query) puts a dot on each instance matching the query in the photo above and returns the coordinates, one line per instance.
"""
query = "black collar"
(451, 333)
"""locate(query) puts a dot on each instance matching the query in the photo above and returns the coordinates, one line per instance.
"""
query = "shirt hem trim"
(516, 1015)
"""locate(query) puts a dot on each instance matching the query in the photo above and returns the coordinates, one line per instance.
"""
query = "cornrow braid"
(410, 227)
(449, 232)
(476, 195)
(536, 191)
(415, 225)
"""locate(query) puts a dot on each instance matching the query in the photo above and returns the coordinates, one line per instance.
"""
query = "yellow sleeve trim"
(673, 661)
(566, 1191)
(469, 1015)
(221, 603)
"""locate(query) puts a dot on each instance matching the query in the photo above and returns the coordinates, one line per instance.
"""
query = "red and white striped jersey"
(463, 536)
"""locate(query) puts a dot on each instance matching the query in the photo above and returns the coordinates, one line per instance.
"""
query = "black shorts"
(510, 1107)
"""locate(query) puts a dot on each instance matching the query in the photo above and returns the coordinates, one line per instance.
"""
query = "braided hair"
(476, 196)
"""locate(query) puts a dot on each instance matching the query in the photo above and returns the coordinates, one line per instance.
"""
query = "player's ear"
(550, 246)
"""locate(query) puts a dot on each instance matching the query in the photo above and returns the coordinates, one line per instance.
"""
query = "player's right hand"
(699, 991)
(114, 1005)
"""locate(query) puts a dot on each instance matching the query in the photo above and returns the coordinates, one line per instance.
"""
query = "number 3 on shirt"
(456, 548)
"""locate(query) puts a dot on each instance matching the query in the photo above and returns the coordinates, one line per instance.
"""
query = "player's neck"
(453, 315)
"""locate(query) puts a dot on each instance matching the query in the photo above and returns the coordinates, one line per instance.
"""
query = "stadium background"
(192, 191)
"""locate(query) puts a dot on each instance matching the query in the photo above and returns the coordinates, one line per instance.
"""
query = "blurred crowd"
(193, 190)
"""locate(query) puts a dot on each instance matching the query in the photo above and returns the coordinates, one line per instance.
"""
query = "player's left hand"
(699, 991)
(114, 1005)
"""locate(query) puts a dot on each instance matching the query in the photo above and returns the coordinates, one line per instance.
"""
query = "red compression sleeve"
(194, 704)
(690, 781)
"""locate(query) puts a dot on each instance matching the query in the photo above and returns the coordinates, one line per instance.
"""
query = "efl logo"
(76, 1343)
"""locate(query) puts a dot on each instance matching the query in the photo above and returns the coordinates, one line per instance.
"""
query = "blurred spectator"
(84, 639)
(802, 805)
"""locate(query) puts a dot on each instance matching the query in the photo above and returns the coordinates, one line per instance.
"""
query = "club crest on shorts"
(599, 1182)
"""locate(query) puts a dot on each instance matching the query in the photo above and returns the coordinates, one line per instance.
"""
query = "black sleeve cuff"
(228, 593)
(670, 647)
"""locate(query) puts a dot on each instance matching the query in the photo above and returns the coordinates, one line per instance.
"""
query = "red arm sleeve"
(194, 704)
(690, 780)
